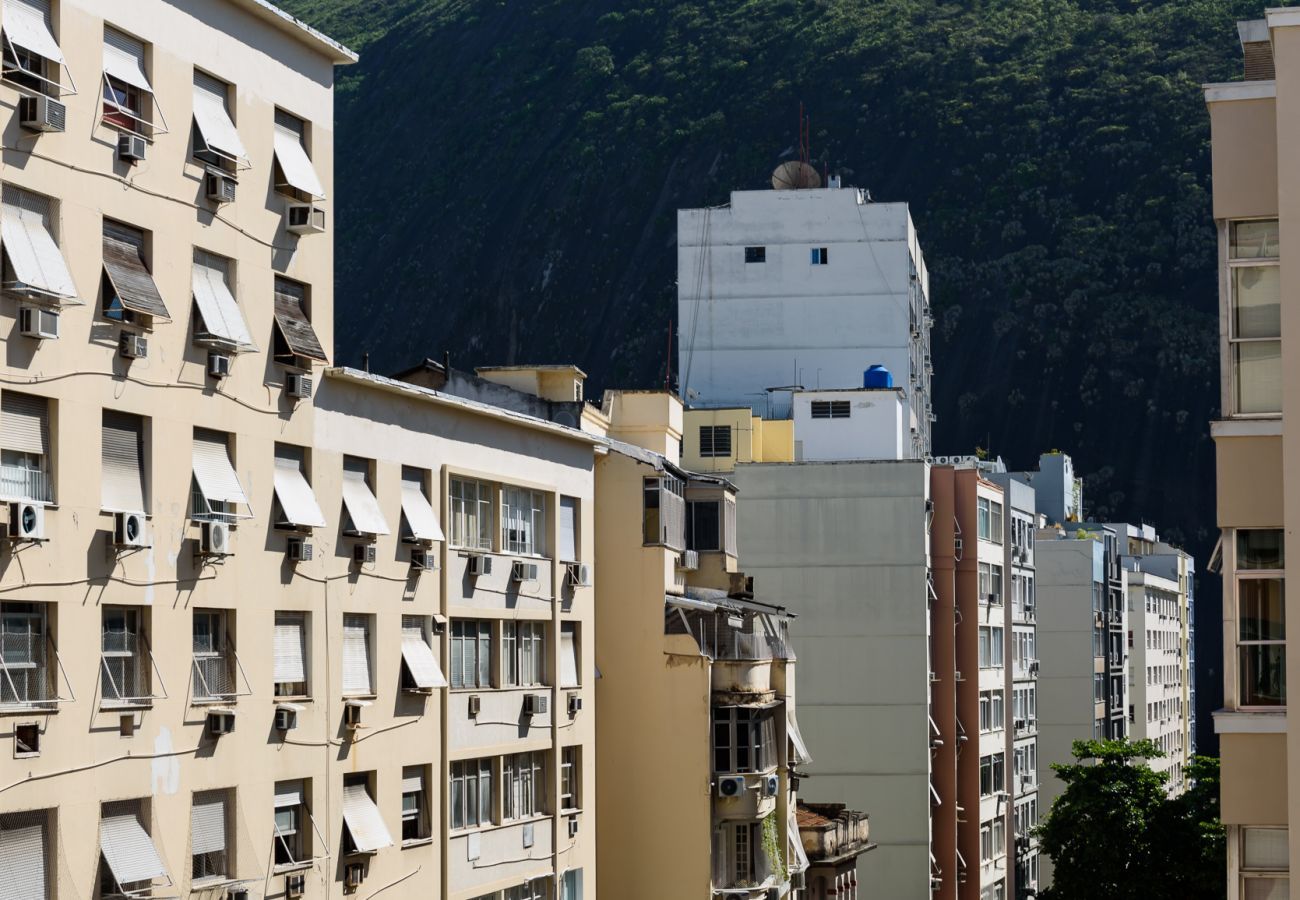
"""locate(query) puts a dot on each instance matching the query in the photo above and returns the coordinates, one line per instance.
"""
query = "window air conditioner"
(536, 704)
(688, 560)
(129, 530)
(214, 540)
(523, 571)
(578, 574)
(797, 881)
(219, 187)
(133, 346)
(131, 147)
(423, 561)
(237, 894)
(364, 554)
(221, 721)
(218, 365)
(475, 704)
(731, 786)
(42, 113)
(575, 704)
(304, 218)
(354, 874)
(479, 565)
(286, 718)
(299, 549)
(298, 387)
(573, 827)
(771, 785)
(352, 714)
(38, 322)
(26, 522)
(295, 885)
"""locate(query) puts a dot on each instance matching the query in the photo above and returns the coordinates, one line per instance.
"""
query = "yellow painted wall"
(1253, 789)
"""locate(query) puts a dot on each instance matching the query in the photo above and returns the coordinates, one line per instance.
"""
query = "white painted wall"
(875, 428)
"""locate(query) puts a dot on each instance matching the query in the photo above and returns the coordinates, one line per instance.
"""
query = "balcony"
(25, 482)
(726, 627)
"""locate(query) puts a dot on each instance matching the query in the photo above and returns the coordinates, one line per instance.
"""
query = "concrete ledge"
(1240, 90)
(1234, 721)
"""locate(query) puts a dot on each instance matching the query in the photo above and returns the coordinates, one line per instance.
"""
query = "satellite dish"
(794, 176)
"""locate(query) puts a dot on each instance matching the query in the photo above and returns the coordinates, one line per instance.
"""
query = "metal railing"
(731, 636)
(25, 482)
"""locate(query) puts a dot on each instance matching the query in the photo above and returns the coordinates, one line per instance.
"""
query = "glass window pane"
(1254, 240)
(1261, 616)
(1267, 889)
(1263, 674)
(1257, 301)
(1260, 548)
(1264, 849)
(1257, 367)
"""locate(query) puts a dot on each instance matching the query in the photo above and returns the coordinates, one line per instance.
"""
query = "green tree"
(1190, 825)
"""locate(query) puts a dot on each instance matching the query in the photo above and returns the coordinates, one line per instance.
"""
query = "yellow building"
(1255, 138)
(716, 440)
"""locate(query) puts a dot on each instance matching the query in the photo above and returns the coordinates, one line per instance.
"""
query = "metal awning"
(363, 821)
(36, 260)
(216, 129)
(129, 851)
(420, 516)
(222, 319)
(418, 657)
(214, 472)
(131, 281)
(295, 327)
(295, 165)
(363, 509)
(295, 495)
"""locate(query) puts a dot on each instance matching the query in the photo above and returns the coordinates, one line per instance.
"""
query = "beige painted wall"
(1248, 471)
(1250, 790)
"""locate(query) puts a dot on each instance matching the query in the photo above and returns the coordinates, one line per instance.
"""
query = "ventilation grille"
(1259, 61)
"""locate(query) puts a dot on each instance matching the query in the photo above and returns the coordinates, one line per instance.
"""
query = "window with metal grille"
(830, 409)
(715, 440)
(664, 512)
(25, 678)
(213, 677)
(292, 824)
(570, 778)
(744, 739)
(209, 818)
(125, 673)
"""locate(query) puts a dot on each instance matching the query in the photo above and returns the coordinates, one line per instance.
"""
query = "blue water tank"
(877, 377)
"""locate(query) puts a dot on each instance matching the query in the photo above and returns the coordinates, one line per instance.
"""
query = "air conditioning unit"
(771, 785)
(218, 365)
(688, 560)
(523, 571)
(475, 704)
(536, 704)
(304, 218)
(353, 875)
(221, 721)
(129, 530)
(214, 539)
(424, 561)
(42, 113)
(1033, 667)
(993, 600)
(237, 894)
(578, 574)
(298, 387)
(731, 786)
(38, 322)
(286, 718)
(1020, 724)
(219, 187)
(573, 827)
(131, 147)
(299, 549)
(295, 885)
(364, 554)
(352, 714)
(26, 522)
(479, 565)
(575, 704)
(133, 346)
(797, 881)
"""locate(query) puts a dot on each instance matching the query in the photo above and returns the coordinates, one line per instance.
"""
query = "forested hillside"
(508, 175)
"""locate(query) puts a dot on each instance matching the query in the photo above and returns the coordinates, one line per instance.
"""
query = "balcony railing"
(730, 636)
(25, 482)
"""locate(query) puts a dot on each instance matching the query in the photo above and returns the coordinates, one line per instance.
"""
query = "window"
(1255, 316)
(292, 824)
(289, 655)
(471, 793)
(471, 653)
(531, 890)
(715, 441)
(570, 778)
(215, 139)
(523, 650)
(1265, 864)
(420, 670)
(992, 711)
(990, 646)
(1261, 617)
(992, 778)
(31, 53)
(569, 524)
(571, 885)
(419, 521)
(32, 264)
(990, 584)
(131, 859)
(830, 409)
(984, 518)
(738, 855)
(128, 292)
(704, 525)
(994, 891)
(295, 506)
(755, 254)
(294, 342)
(216, 494)
(294, 173)
(523, 521)
(127, 92)
(364, 830)
(570, 670)
(415, 805)
(25, 846)
(25, 676)
(664, 512)
(524, 783)
(208, 831)
(471, 514)
(995, 521)
(363, 517)
(122, 486)
(213, 666)
(25, 470)
(125, 677)
(218, 322)
(818, 256)
(356, 655)
(744, 739)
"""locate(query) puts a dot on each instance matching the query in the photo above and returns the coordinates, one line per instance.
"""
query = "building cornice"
(1281, 17)
(1234, 721)
(1246, 428)
(321, 43)
(1239, 90)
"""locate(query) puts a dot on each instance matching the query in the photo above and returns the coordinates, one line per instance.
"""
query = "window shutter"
(127, 273)
(412, 779)
(208, 823)
(568, 655)
(124, 59)
(212, 116)
(418, 655)
(218, 308)
(122, 460)
(291, 319)
(27, 24)
(291, 155)
(128, 849)
(289, 793)
(363, 820)
(420, 517)
(27, 235)
(289, 648)
(297, 500)
(24, 423)
(356, 655)
(212, 467)
(569, 529)
(359, 500)
(22, 862)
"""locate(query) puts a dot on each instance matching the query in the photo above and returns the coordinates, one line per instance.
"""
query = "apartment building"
(1253, 133)
(827, 271)
(1158, 673)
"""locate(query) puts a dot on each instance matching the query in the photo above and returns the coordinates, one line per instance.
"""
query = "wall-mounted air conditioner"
(221, 721)
(364, 554)
(214, 539)
(424, 560)
(219, 187)
(299, 549)
(578, 574)
(536, 704)
(131, 147)
(26, 521)
(133, 346)
(129, 529)
(523, 571)
(38, 322)
(218, 365)
(42, 113)
(731, 786)
(298, 386)
(479, 565)
(304, 218)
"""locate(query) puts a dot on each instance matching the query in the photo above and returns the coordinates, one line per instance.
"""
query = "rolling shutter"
(289, 793)
(126, 272)
(212, 117)
(218, 308)
(289, 648)
(421, 518)
(208, 823)
(290, 154)
(22, 859)
(213, 470)
(363, 820)
(418, 655)
(568, 529)
(27, 24)
(24, 423)
(294, 493)
(124, 59)
(363, 509)
(568, 655)
(291, 319)
(128, 850)
(26, 233)
(356, 655)
(413, 780)
(122, 463)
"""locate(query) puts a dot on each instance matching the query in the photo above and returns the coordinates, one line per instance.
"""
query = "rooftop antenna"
(798, 175)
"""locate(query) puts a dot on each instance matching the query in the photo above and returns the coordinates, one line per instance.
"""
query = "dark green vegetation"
(1114, 834)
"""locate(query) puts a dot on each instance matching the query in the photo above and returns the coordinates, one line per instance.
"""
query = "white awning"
(356, 654)
(363, 821)
(798, 858)
(420, 516)
(208, 823)
(124, 59)
(412, 780)
(295, 164)
(129, 851)
(222, 319)
(288, 793)
(361, 504)
(37, 262)
(121, 463)
(213, 470)
(26, 23)
(418, 656)
(568, 655)
(22, 859)
(568, 529)
(213, 119)
(287, 649)
(799, 755)
(295, 496)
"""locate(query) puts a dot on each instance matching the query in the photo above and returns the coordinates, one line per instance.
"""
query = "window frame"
(1240, 575)
(571, 778)
(480, 641)
(523, 646)
(1231, 265)
(711, 447)
(523, 521)
(471, 513)
(523, 786)
(465, 772)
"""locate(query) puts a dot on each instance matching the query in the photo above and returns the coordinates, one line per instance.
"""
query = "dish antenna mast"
(798, 175)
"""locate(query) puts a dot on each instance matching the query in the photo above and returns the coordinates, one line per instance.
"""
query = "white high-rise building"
(802, 288)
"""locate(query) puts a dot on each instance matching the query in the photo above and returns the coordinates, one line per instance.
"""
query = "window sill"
(294, 698)
(213, 701)
(286, 868)
(1250, 721)
(125, 705)
(417, 842)
(28, 709)
(347, 697)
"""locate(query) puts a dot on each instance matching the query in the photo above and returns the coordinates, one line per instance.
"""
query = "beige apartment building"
(1255, 138)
